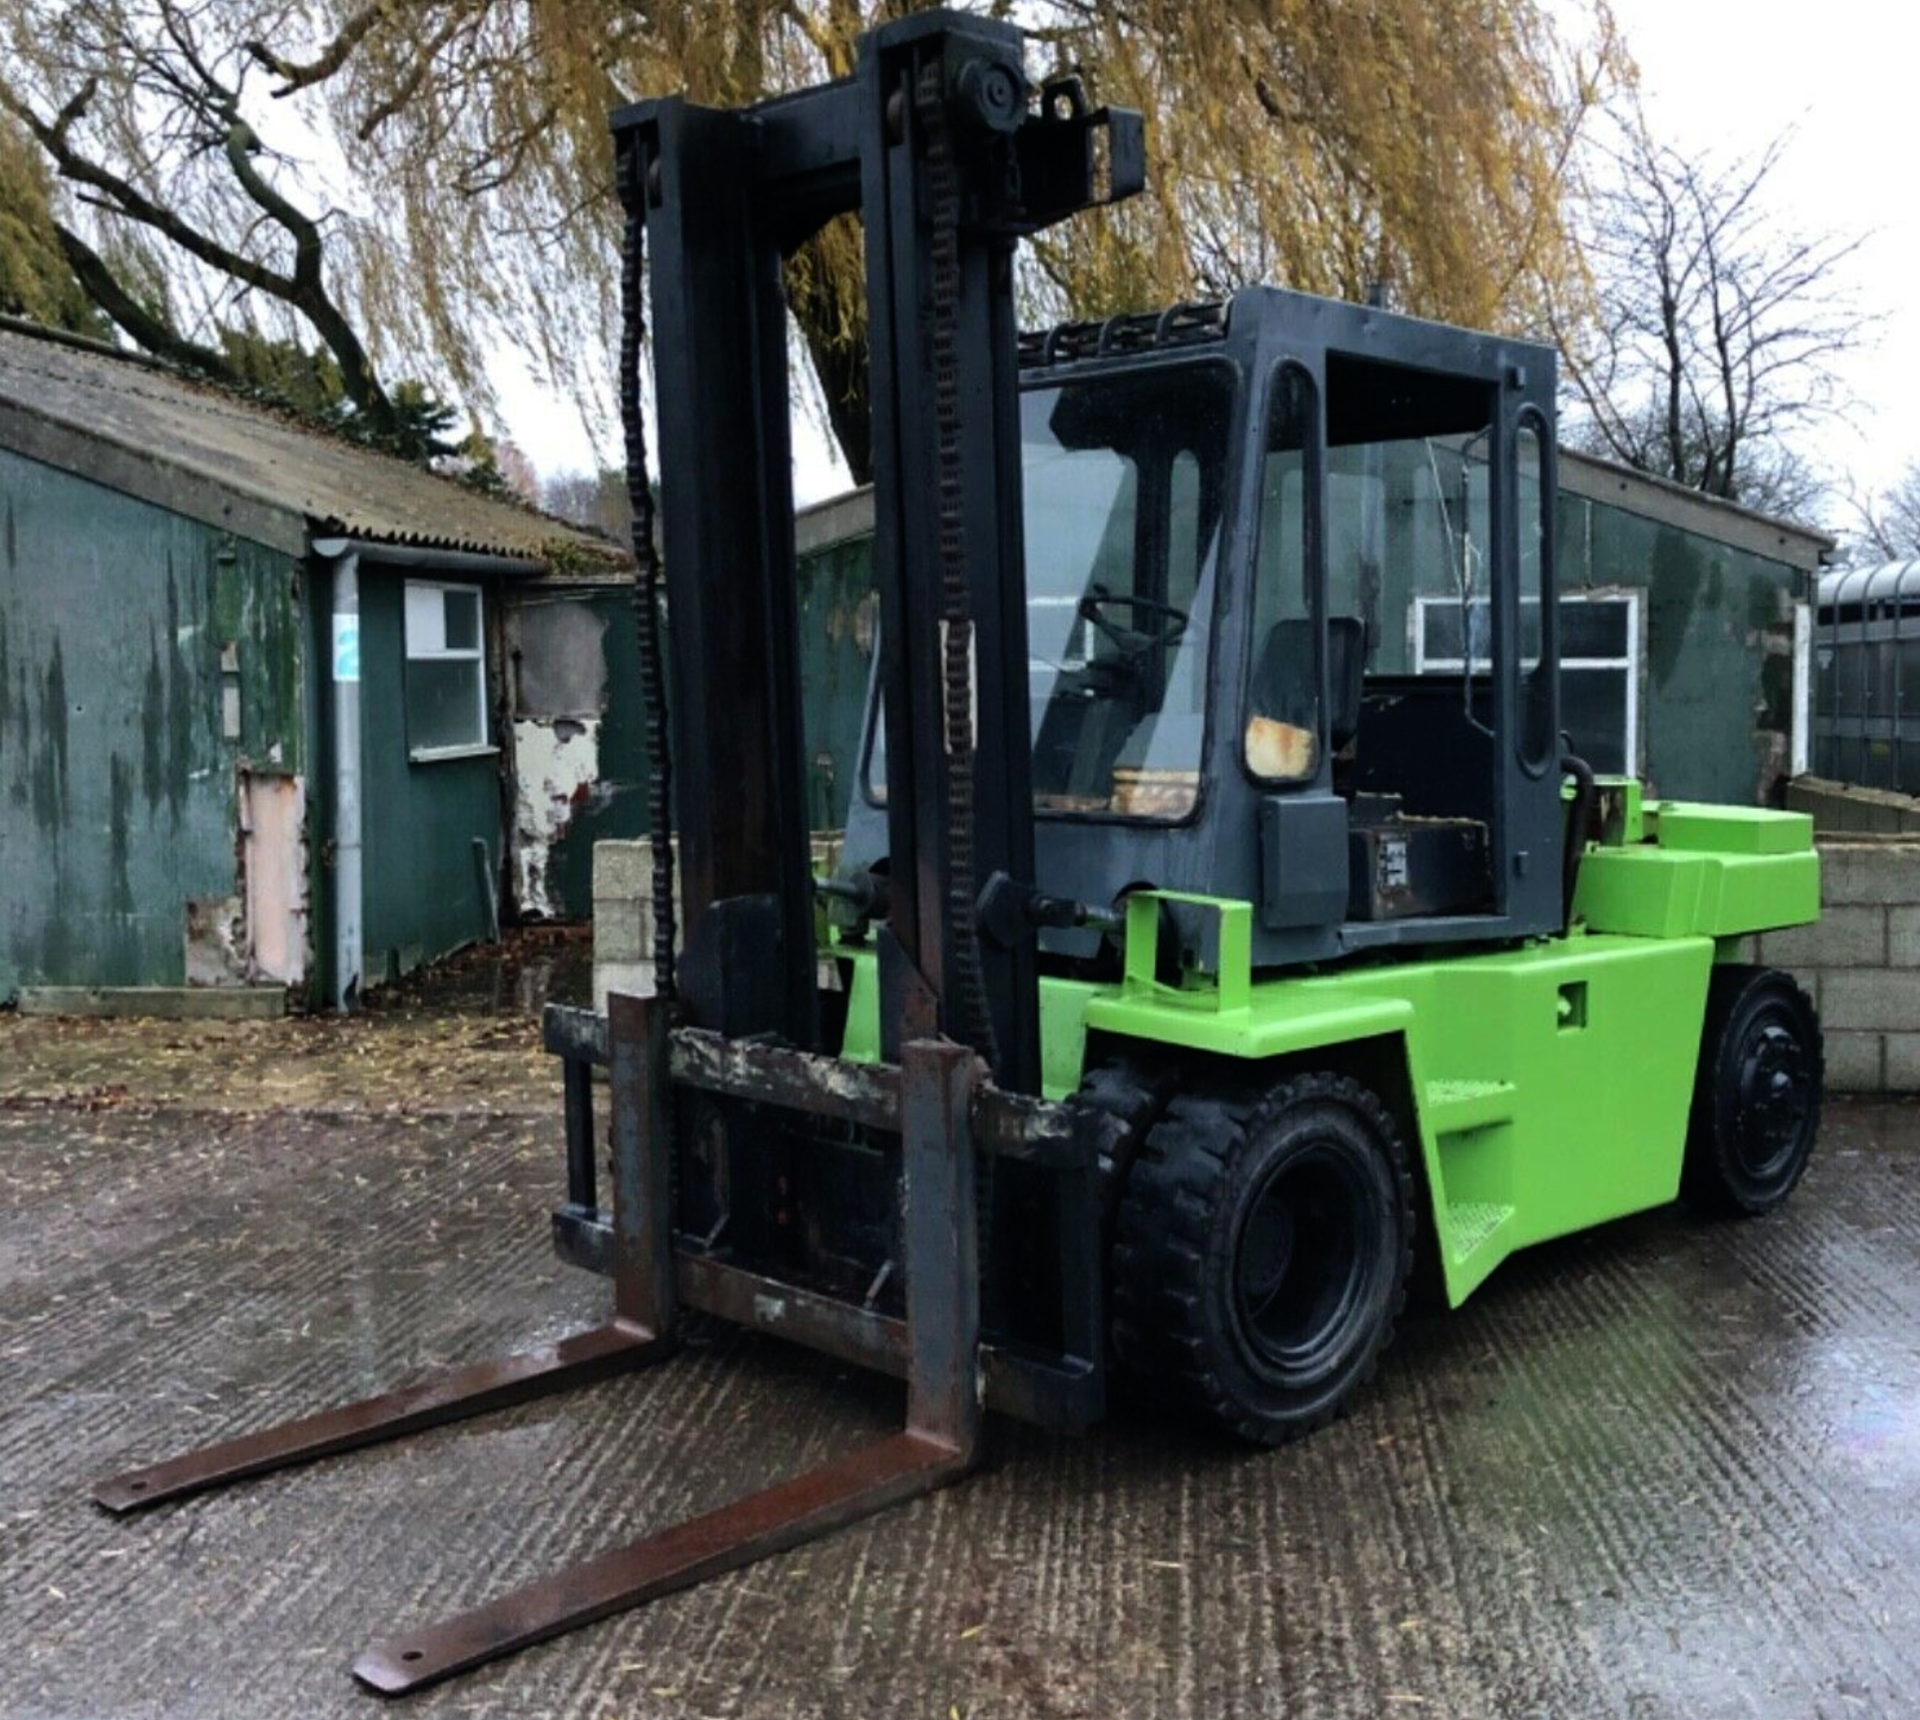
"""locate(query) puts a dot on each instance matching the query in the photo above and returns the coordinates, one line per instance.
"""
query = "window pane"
(426, 621)
(1184, 548)
(1124, 478)
(462, 620)
(1406, 520)
(1910, 682)
(1592, 627)
(1593, 709)
(1445, 639)
(443, 703)
(1537, 726)
(1283, 705)
(1443, 636)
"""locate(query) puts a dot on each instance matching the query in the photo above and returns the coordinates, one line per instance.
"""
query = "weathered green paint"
(1548, 1085)
(1716, 689)
(423, 890)
(117, 786)
(837, 608)
(838, 621)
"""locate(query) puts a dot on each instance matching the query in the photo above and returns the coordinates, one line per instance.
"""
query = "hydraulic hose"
(1579, 821)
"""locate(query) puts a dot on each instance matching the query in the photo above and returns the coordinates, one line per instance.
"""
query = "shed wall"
(1717, 671)
(580, 731)
(580, 755)
(424, 888)
(119, 780)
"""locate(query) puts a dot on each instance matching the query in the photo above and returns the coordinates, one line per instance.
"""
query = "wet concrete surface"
(1667, 1469)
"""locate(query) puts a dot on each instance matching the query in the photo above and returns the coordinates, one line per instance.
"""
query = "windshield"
(1123, 480)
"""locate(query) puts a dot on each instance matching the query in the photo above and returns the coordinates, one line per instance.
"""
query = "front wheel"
(1262, 1253)
(1756, 1099)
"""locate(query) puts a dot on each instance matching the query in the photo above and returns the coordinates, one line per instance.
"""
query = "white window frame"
(1630, 596)
(1800, 755)
(417, 651)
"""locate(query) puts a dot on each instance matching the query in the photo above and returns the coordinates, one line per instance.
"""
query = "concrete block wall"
(1861, 962)
(1840, 808)
(623, 911)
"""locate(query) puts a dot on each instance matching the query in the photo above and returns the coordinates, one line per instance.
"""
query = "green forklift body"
(1548, 1083)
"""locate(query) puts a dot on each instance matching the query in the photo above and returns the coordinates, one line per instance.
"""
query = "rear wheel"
(1756, 1098)
(1263, 1247)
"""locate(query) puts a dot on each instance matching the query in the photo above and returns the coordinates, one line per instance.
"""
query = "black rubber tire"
(1208, 1256)
(1756, 1096)
(1129, 1092)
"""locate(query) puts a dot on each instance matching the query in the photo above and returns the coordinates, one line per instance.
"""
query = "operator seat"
(1280, 695)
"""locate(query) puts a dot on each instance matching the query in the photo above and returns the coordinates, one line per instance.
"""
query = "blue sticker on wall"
(346, 647)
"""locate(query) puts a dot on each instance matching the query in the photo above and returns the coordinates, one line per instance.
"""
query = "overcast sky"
(1718, 76)
(1727, 77)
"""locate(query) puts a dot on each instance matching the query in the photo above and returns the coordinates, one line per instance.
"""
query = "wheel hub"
(1773, 1096)
(1301, 1268)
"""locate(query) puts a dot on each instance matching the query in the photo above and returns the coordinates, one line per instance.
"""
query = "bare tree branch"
(1718, 330)
(147, 330)
(295, 77)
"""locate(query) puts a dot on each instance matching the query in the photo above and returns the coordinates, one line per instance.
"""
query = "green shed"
(230, 646)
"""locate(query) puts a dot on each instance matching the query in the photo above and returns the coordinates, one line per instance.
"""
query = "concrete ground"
(1665, 1470)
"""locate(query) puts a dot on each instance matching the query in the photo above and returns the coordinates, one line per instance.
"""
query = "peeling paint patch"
(556, 776)
(274, 879)
(216, 940)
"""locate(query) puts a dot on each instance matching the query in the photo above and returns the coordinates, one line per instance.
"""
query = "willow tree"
(1325, 144)
(36, 279)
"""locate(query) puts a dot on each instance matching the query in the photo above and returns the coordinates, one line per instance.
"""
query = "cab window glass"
(1282, 736)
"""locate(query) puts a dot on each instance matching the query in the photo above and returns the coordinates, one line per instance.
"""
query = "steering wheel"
(1132, 641)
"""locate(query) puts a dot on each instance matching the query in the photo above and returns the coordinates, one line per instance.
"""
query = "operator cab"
(1289, 631)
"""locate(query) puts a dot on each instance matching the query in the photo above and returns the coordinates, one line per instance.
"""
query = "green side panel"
(424, 894)
(1275, 1025)
(1551, 1082)
(118, 781)
(861, 1041)
(1063, 1033)
(1650, 894)
(1063, 1022)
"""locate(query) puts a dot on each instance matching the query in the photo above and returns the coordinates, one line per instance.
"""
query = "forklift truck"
(1199, 961)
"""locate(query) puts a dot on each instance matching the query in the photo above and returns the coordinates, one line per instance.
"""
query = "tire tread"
(1161, 1337)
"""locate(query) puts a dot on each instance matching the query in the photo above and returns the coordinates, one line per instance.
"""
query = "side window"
(1282, 739)
(1534, 503)
(446, 671)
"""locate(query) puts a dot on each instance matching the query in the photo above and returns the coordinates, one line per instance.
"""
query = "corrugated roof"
(153, 432)
(1888, 582)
